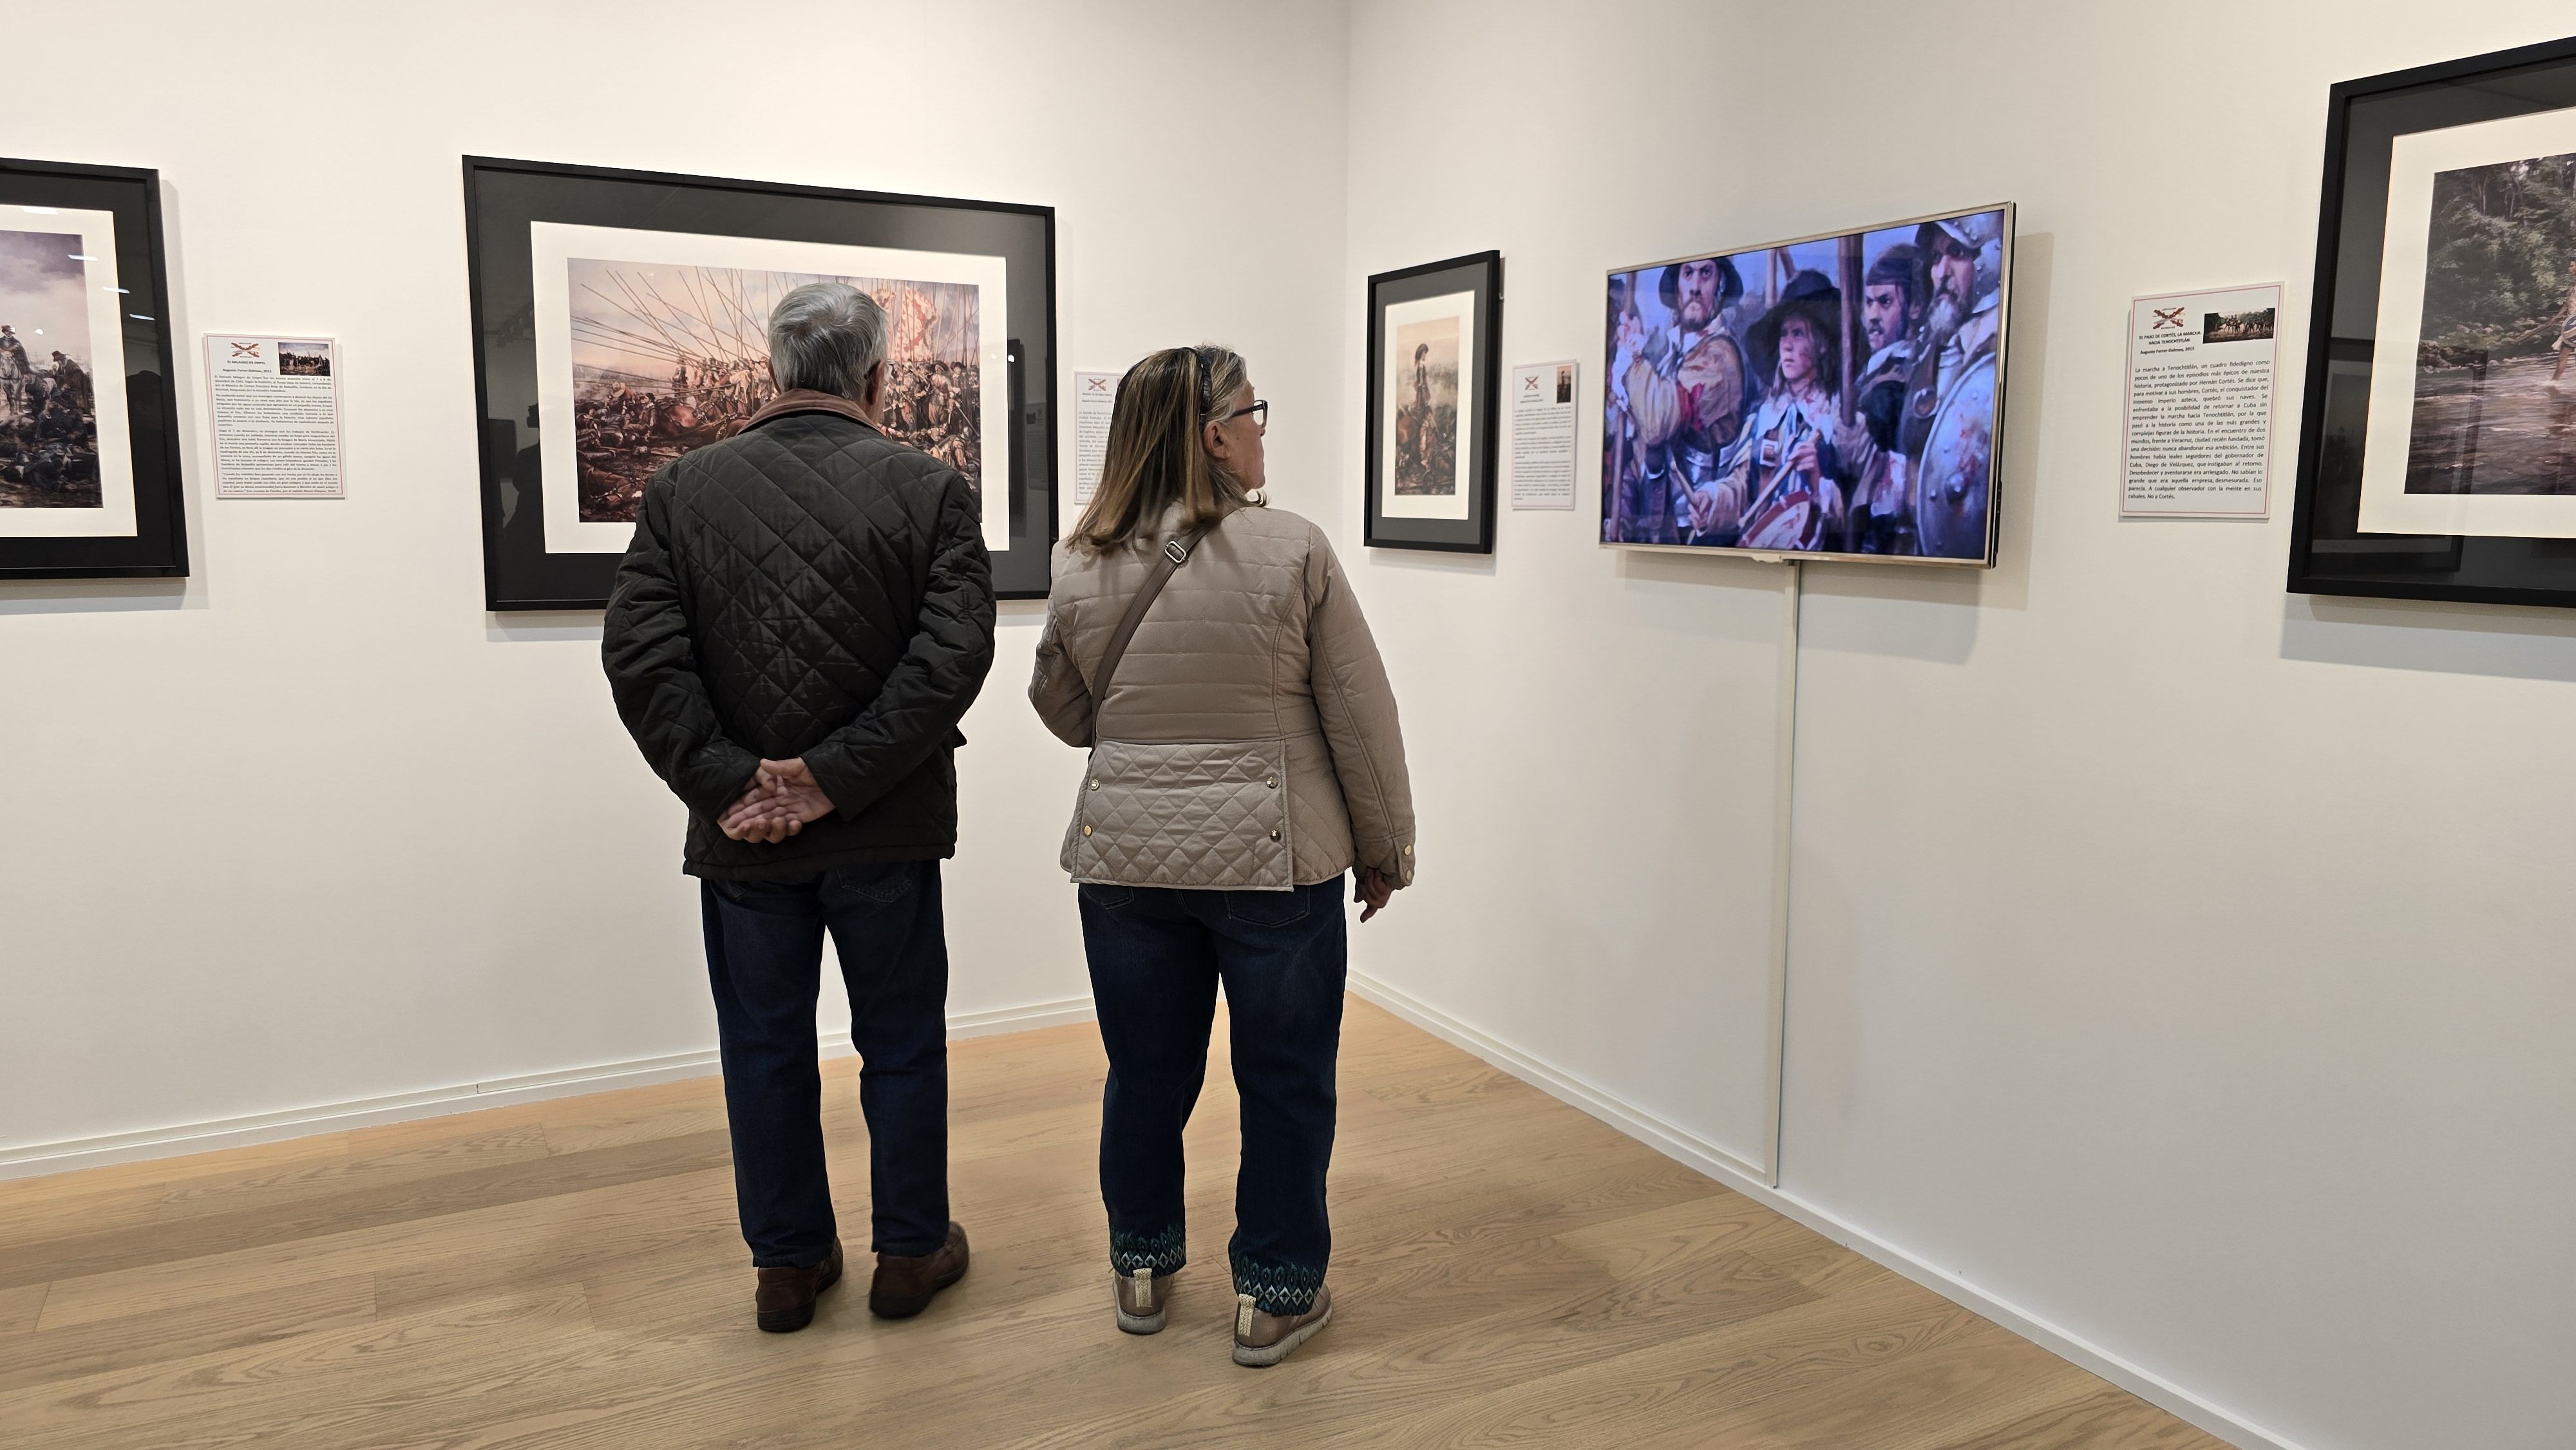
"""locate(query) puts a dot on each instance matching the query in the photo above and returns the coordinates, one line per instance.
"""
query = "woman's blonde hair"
(1158, 450)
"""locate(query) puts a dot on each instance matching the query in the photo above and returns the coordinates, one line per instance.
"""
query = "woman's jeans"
(765, 959)
(1157, 955)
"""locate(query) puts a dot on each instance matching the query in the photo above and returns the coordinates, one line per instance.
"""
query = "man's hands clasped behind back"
(782, 798)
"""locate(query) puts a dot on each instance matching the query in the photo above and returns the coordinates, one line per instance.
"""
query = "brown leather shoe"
(905, 1286)
(785, 1300)
(1262, 1340)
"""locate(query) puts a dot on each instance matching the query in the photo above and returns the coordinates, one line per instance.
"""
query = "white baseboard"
(35, 1159)
(1687, 1147)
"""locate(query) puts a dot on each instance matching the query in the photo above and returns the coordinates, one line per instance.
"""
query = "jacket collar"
(1170, 522)
(807, 400)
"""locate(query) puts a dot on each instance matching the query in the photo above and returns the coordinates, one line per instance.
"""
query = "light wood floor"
(1507, 1272)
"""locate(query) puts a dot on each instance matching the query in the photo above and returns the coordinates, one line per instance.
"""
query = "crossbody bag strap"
(1174, 553)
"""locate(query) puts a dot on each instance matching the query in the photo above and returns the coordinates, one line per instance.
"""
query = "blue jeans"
(765, 961)
(1157, 956)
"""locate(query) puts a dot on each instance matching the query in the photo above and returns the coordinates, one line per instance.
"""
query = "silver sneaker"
(1142, 1300)
(1262, 1340)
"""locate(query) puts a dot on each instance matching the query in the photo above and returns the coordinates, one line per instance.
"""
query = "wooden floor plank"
(20, 1307)
(306, 1388)
(278, 1186)
(569, 1274)
(72, 1255)
(114, 1344)
(2109, 1418)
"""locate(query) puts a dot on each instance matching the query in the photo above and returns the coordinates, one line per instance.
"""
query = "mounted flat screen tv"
(1833, 397)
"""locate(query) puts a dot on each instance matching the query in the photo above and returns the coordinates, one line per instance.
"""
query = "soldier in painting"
(1785, 487)
(1882, 501)
(1421, 407)
(15, 376)
(1679, 400)
(1945, 433)
(71, 383)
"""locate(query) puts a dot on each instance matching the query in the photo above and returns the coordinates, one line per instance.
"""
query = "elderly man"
(801, 621)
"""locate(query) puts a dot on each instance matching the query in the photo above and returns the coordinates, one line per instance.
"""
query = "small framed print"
(621, 319)
(89, 445)
(1433, 403)
(2437, 442)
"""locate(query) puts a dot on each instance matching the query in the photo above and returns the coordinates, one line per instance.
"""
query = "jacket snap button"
(1274, 782)
(1274, 835)
(1095, 785)
(1086, 830)
(1408, 850)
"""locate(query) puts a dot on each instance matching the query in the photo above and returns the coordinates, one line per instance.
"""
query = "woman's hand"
(1373, 891)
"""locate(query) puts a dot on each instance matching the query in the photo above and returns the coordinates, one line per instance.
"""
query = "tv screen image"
(1838, 396)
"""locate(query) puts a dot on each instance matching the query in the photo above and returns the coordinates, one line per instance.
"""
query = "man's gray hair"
(825, 336)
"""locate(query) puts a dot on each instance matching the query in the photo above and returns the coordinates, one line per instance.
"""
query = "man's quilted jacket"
(1249, 740)
(807, 588)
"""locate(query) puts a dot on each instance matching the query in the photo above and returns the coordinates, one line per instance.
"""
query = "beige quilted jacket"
(1249, 741)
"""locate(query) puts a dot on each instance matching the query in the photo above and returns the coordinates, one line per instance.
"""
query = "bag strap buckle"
(1173, 550)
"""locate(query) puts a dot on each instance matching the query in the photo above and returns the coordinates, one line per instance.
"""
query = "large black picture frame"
(504, 197)
(2329, 554)
(158, 547)
(1479, 379)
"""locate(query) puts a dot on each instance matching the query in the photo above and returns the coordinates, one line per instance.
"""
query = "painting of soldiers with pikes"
(669, 358)
(1835, 396)
(48, 404)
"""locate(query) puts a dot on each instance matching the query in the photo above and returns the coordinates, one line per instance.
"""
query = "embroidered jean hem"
(1166, 1252)
(1277, 1288)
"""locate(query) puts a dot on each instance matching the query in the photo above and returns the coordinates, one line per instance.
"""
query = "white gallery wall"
(314, 828)
(2184, 963)
(2181, 963)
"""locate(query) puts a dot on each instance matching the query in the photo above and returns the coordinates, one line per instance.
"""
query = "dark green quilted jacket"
(807, 588)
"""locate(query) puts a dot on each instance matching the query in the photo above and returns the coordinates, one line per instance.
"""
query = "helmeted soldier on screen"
(1785, 486)
(1681, 393)
(1891, 312)
(1946, 431)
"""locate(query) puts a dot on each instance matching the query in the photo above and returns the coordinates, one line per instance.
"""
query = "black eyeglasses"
(1259, 413)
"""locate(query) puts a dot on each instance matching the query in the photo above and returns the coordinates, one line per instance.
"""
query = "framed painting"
(621, 319)
(1434, 390)
(2437, 440)
(89, 441)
